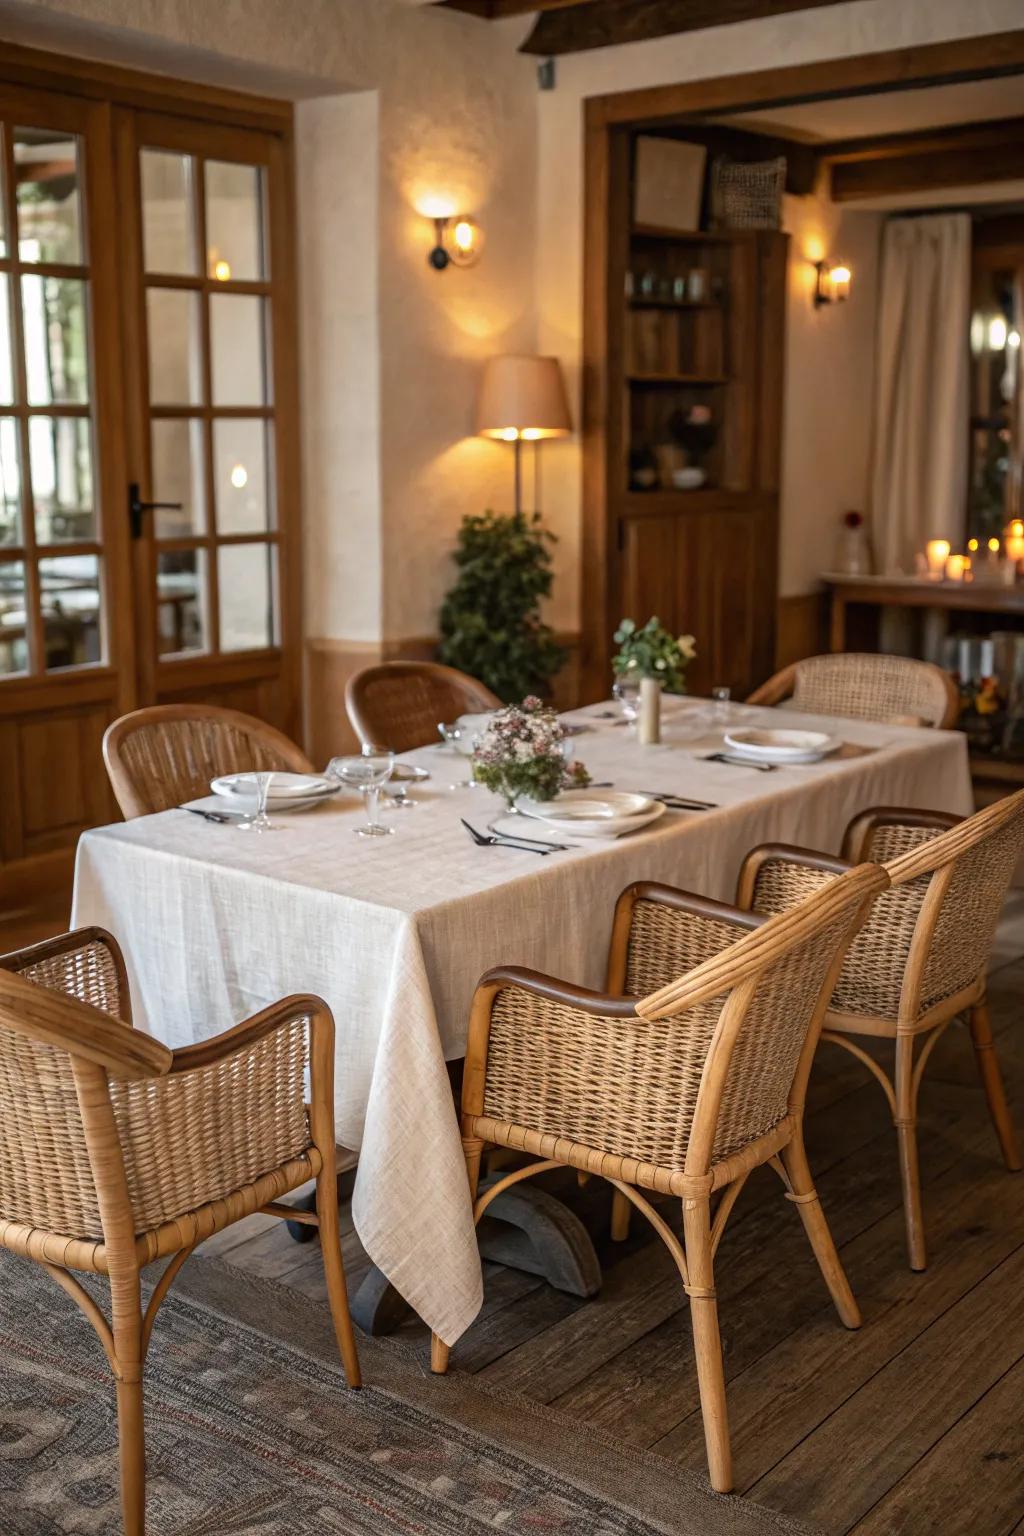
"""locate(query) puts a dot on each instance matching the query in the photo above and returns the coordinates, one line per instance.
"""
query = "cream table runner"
(395, 932)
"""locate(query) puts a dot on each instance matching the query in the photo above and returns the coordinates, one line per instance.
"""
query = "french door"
(148, 475)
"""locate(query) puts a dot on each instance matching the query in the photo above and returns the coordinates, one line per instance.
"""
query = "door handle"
(136, 507)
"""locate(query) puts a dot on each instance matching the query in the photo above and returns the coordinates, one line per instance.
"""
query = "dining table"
(394, 932)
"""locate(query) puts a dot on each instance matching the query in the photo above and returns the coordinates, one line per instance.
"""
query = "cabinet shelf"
(675, 379)
(639, 302)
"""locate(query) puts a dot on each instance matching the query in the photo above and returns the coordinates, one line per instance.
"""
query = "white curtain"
(919, 468)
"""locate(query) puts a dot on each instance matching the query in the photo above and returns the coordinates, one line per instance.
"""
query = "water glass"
(367, 773)
(260, 821)
(627, 696)
(720, 706)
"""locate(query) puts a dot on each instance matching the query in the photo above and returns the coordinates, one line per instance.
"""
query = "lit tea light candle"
(1014, 543)
(936, 553)
(957, 567)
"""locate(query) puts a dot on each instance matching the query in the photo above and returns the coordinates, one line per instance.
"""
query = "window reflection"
(234, 222)
(10, 483)
(49, 217)
(245, 574)
(181, 601)
(13, 618)
(60, 456)
(70, 599)
(167, 224)
(56, 344)
(996, 421)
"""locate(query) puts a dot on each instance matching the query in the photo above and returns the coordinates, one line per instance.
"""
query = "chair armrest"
(660, 932)
(80, 1029)
(776, 876)
(887, 834)
(776, 688)
(86, 964)
(241, 1037)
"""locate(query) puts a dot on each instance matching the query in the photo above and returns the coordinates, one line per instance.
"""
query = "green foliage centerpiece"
(654, 660)
(490, 620)
(522, 752)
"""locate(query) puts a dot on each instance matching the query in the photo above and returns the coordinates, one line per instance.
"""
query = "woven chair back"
(185, 1139)
(164, 755)
(871, 687)
(400, 704)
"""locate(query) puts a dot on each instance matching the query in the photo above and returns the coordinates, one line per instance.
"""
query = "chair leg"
(132, 1453)
(707, 1342)
(805, 1198)
(473, 1149)
(334, 1272)
(992, 1082)
(906, 1137)
(620, 1217)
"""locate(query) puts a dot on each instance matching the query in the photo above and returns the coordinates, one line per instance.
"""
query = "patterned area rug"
(250, 1429)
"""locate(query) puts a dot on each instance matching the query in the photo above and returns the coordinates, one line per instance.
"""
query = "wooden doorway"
(147, 354)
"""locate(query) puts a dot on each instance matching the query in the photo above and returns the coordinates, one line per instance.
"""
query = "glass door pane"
(211, 422)
(52, 563)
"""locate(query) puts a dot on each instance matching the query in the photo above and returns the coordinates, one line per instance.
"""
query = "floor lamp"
(521, 400)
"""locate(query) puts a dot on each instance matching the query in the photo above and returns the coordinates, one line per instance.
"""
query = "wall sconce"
(459, 242)
(833, 282)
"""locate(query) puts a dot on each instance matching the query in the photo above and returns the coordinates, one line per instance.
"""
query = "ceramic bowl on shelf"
(690, 478)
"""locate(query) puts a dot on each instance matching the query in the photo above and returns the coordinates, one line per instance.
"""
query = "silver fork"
(492, 840)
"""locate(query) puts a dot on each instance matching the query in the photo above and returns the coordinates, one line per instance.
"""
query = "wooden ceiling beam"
(894, 164)
(574, 28)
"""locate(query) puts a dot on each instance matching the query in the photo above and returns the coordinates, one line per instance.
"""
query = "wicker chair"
(168, 753)
(896, 689)
(688, 1073)
(115, 1151)
(921, 957)
(399, 704)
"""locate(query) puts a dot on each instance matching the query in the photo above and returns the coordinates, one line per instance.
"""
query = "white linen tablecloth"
(394, 933)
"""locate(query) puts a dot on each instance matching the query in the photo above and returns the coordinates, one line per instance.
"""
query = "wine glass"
(367, 773)
(260, 821)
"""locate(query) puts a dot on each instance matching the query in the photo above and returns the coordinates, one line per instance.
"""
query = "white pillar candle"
(957, 567)
(649, 722)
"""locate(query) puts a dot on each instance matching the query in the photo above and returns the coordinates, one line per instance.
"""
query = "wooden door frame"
(608, 120)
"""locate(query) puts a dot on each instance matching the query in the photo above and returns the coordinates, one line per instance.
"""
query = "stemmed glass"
(627, 696)
(368, 773)
(260, 822)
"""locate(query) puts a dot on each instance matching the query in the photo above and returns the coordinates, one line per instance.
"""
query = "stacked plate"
(767, 746)
(593, 813)
(288, 791)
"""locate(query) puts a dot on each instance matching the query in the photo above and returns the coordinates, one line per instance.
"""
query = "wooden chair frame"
(456, 694)
(177, 771)
(104, 1050)
(782, 686)
(915, 1031)
(736, 972)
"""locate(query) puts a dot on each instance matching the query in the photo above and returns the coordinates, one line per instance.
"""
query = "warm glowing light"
(1013, 338)
(239, 476)
(222, 270)
(435, 206)
(972, 545)
(993, 545)
(509, 434)
(833, 282)
(464, 235)
(977, 333)
(997, 334)
(1016, 529)
(937, 553)
(956, 567)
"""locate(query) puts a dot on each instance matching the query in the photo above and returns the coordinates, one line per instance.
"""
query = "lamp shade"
(522, 397)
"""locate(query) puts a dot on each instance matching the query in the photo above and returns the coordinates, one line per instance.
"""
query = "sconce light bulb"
(997, 333)
(239, 476)
(509, 434)
(463, 235)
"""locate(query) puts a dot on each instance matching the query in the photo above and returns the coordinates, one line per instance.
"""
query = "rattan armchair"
(400, 704)
(896, 689)
(116, 1152)
(678, 1081)
(920, 960)
(168, 753)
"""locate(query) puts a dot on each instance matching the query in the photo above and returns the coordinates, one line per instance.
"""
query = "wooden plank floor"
(912, 1424)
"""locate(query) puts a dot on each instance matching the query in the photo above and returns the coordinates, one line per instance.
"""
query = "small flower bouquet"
(522, 752)
(653, 652)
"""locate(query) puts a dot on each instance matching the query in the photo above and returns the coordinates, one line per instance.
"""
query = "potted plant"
(490, 620)
(522, 752)
(657, 661)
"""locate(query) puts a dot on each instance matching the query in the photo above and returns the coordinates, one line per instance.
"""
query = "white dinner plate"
(582, 813)
(776, 746)
(288, 791)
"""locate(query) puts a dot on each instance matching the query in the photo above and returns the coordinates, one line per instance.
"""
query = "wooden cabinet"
(684, 341)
